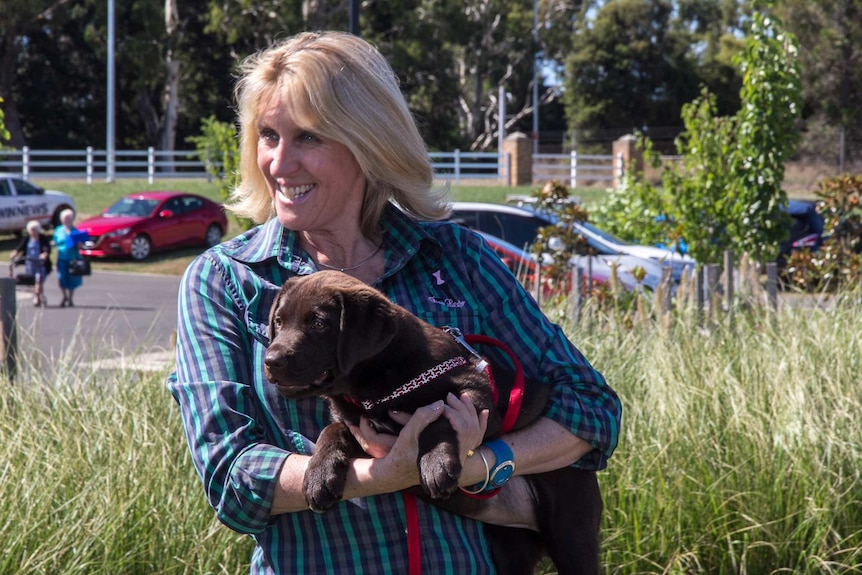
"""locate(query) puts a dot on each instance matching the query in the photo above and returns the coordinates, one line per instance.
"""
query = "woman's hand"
(402, 450)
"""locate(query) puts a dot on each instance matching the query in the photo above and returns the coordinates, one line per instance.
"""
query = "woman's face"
(315, 184)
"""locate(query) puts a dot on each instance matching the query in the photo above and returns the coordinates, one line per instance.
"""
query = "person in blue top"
(35, 250)
(66, 252)
(335, 172)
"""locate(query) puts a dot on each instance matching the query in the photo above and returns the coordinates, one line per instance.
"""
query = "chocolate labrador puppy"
(335, 337)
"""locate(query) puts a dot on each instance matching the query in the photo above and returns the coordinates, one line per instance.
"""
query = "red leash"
(516, 397)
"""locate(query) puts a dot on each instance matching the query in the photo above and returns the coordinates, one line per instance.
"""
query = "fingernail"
(437, 405)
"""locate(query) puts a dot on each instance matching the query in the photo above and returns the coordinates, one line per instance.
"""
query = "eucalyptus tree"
(635, 63)
(830, 39)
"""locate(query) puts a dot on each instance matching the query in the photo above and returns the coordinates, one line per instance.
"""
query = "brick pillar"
(626, 147)
(519, 147)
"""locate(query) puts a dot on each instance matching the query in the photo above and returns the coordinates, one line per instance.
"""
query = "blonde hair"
(341, 88)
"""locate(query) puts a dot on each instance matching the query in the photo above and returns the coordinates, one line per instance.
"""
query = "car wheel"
(213, 235)
(140, 249)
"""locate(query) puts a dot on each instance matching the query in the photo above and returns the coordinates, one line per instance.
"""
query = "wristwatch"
(505, 465)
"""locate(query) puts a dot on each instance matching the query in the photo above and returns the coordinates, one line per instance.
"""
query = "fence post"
(573, 171)
(575, 295)
(25, 162)
(712, 290)
(457, 167)
(728, 285)
(666, 295)
(151, 164)
(89, 164)
(9, 336)
(699, 285)
(538, 287)
(619, 170)
(772, 285)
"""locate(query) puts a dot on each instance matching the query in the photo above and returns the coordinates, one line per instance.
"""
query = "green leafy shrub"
(725, 192)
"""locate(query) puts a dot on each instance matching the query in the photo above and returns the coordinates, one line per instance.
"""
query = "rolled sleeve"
(581, 399)
(214, 387)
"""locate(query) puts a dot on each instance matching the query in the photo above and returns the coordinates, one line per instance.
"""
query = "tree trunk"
(7, 76)
(171, 98)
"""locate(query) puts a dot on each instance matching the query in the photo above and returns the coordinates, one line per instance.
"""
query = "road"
(119, 319)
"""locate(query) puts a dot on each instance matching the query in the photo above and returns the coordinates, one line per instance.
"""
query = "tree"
(726, 193)
(830, 39)
(636, 62)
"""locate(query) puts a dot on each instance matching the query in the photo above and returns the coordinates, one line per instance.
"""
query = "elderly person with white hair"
(66, 252)
(35, 250)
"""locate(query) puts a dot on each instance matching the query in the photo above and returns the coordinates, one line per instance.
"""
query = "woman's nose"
(285, 160)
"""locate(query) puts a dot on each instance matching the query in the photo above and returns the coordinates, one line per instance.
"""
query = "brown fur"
(335, 337)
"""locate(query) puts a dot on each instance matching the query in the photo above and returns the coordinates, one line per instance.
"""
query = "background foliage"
(607, 67)
(725, 193)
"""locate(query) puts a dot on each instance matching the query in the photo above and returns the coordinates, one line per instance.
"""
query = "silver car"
(22, 201)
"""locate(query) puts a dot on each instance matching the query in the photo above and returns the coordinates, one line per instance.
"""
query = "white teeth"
(295, 191)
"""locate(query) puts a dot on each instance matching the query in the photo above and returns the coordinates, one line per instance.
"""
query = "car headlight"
(118, 233)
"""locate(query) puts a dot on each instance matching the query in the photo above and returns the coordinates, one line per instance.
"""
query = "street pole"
(536, 77)
(109, 136)
(354, 17)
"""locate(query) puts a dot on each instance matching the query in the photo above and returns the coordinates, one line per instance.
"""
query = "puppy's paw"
(439, 474)
(323, 485)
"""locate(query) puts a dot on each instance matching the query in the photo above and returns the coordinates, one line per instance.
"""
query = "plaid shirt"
(240, 430)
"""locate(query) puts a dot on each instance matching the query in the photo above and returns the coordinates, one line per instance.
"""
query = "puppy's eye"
(317, 324)
(277, 322)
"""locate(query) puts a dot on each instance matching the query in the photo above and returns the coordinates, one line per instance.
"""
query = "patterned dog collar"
(418, 381)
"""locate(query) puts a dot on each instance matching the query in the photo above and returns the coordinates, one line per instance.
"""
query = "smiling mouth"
(294, 192)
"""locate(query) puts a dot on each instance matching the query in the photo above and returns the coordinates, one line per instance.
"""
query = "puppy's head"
(321, 326)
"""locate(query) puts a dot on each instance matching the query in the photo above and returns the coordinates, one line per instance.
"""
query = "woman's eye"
(308, 137)
(268, 134)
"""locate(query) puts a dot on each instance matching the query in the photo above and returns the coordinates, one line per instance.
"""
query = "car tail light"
(809, 241)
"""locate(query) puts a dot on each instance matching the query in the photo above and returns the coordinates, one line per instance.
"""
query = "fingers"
(469, 425)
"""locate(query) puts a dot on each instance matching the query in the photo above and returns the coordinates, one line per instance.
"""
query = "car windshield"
(139, 207)
(604, 235)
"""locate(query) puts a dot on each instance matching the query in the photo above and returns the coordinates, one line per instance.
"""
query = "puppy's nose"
(274, 359)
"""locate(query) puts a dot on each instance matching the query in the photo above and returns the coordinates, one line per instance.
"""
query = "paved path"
(123, 319)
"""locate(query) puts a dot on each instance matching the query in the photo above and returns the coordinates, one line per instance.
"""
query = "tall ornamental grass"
(741, 443)
(95, 478)
(740, 454)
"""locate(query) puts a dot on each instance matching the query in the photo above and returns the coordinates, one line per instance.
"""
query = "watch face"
(502, 474)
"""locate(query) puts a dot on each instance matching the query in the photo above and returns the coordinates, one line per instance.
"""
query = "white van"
(22, 201)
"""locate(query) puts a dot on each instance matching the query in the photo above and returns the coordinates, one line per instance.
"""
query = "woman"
(328, 147)
(35, 249)
(67, 251)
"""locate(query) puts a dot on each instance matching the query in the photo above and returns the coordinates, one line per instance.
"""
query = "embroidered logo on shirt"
(447, 302)
(438, 276)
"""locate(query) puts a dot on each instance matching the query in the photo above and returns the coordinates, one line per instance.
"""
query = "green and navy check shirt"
(240, 430)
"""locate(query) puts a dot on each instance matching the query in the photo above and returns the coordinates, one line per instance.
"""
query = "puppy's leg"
(439, 463)
(326, 475)
(570, 514)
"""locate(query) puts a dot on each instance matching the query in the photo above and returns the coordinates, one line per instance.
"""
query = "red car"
(146, 222)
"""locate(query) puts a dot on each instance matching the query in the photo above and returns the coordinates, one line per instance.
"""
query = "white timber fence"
(93, 164)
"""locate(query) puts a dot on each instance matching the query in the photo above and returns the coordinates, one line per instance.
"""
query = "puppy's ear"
(273, 311)
(368, 324)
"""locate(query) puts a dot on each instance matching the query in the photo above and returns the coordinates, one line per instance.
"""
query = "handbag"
(79, 267)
